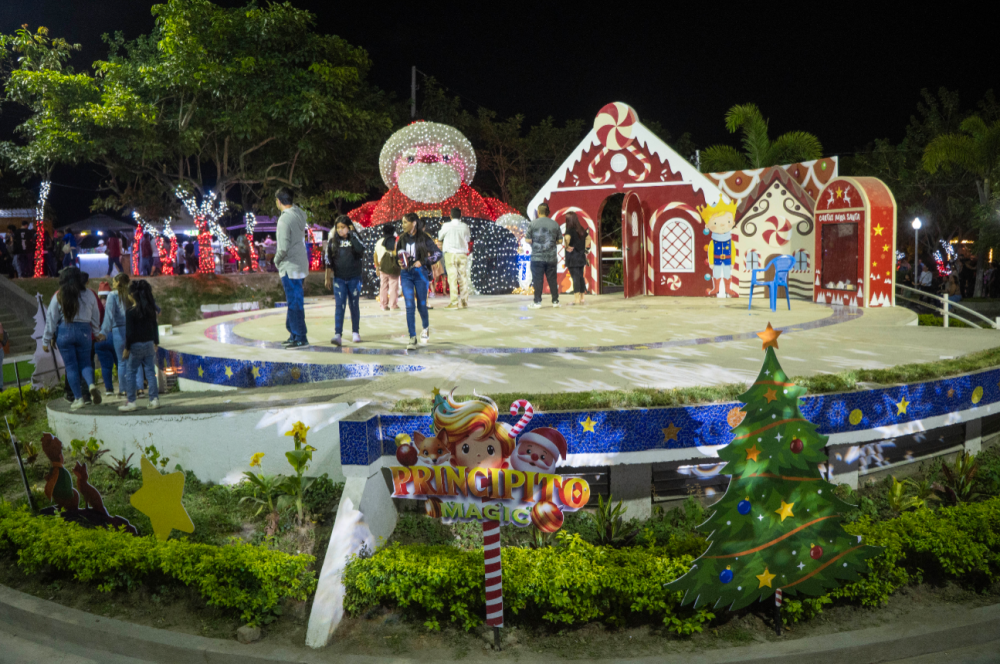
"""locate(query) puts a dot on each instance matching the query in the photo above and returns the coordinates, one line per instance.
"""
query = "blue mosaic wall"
(255, 373)
(692, 426)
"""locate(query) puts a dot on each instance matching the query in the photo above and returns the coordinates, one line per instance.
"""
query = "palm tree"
(975, 150)
(759, 150)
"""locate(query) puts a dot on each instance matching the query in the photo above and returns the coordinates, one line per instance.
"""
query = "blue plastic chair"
(782, 266)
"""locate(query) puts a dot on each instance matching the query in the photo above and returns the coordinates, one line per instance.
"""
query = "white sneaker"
(412, 345)
(336, 341)
(153, 404)
(555, 305)
(534, 305)
(128, 407)
(109, 395)
(77, 405)
(356, 338)
(425, 335)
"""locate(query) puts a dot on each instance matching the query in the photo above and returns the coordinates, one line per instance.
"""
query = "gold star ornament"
(229, 372)
(670, 433)
(771, 395)
(765, 579)
(753, 453)
(769, 337)
(785, 510)
(588, 424)
(160, 500)
(901, 406)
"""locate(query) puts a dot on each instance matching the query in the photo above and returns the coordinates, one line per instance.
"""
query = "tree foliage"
(234, 100)
(759, 150)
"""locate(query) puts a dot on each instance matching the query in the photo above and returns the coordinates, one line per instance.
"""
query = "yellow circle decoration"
(977, 395)
(855, 417)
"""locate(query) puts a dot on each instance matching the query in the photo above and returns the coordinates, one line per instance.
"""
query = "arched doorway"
(611, 270)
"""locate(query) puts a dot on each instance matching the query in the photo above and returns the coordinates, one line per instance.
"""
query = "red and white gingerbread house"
(661, 229)
(855, 243)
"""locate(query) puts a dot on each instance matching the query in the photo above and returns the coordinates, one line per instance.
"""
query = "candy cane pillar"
(494, 575)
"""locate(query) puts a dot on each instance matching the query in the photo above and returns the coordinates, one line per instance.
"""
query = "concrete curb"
(50, 623)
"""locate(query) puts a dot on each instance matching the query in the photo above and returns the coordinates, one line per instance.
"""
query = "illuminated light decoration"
(428, 161)
(250, 219)
(945, 259)
(43, 194)
(141, 227)
(394, 204)
(167, 250)
(206, 217)
(315, 252)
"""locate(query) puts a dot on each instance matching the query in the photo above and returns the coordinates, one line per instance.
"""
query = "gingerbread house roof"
(812, 176)
(768, 177)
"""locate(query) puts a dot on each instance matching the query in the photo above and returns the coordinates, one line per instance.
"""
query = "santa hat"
(547, 438)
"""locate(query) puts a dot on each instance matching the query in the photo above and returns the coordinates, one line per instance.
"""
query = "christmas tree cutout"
(779, 523)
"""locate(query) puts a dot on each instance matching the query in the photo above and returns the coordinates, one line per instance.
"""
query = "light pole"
(916, 251)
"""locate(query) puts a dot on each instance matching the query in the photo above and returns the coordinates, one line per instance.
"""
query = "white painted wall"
(216, 446)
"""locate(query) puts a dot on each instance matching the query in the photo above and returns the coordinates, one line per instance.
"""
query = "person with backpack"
(387, 269)
(142, 336)
(73, 317)
(345, 256)
(417, 252)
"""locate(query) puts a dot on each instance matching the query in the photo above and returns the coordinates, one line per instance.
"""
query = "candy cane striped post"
(777, 611)
(529, 412)
(494, 576)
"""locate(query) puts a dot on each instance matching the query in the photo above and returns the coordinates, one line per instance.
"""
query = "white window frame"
(659, 245)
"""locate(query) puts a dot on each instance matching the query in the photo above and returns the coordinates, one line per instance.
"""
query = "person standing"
(145, 255)
(270, 246)
(453, 239)
(416, 250)
(345, 255)
(28, 257)
(577, 242)
(114, 252)
(72, 318)
(113, 329)
(387, 269)
(142, 336)
(544, 236)
(70, 247)
(292, 262)
(16, 249)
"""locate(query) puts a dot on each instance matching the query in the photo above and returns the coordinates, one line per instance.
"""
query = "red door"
(632, 250)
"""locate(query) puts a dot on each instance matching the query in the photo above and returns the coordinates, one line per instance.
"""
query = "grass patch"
(930, 320)
(844, 381)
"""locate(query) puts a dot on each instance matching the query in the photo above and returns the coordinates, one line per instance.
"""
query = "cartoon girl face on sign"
(475, 438)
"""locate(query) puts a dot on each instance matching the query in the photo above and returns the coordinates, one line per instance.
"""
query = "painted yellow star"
(160, 500)
(201, 372)
(765, 579)
(229, 372)
(885, 247)
(670, 433)
(878, 229)
(769, 337)
(256, 372)
(588, 424)
(771, 395)
(785, 510)
(840, 194)
(874, 264)
(901, 406)
(436, 391)
(753, 453)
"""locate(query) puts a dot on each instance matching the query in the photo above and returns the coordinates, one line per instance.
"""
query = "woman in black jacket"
(416, 251)
(344, 260)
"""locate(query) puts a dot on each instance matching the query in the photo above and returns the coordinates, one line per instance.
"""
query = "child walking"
(344, 260)
(142, 336)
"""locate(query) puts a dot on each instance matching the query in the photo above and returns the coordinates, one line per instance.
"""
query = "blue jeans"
(957, 297)
(415, 285)
(141, 357)
(73, 341)
(347, 292)
(118, 336)
(295, 317)
(108, 358)
(114, 262)
(146, 266)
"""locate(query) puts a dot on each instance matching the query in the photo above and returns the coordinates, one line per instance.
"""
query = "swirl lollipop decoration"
(614, 125)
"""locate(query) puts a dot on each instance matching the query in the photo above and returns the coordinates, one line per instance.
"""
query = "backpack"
(388, 263)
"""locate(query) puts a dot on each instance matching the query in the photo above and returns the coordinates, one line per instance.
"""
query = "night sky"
(845, 74)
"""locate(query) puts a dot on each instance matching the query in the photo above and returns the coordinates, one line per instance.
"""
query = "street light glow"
(916, 223)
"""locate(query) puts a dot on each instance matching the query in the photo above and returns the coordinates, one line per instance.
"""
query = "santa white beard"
(525, 464)
(429, 183)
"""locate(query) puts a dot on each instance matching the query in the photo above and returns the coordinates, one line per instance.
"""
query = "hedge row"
(576, 582)
(249, 579)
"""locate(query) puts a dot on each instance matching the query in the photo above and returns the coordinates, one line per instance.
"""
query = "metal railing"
(946, 309)
(15, 300)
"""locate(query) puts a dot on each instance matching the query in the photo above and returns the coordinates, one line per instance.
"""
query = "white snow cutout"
(49, 367)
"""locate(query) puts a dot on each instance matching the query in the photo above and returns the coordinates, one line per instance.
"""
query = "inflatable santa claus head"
(428, 161)
(539, 450)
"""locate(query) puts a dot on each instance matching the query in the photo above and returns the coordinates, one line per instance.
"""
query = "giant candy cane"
(529, 412)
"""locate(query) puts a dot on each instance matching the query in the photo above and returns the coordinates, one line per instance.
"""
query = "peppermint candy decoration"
(614, 124)
(674, 282)
(780, 232)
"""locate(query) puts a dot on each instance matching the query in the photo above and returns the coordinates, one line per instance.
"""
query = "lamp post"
(916, 251)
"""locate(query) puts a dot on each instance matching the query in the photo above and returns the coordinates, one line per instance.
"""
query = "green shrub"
(572, 584)
(251, 580)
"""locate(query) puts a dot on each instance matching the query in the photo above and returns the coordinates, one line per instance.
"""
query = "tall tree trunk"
(981, 255)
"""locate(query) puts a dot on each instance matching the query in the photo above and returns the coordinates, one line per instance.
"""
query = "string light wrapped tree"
(43, 195)
(206, 217)
(250, 219)
(778, 527)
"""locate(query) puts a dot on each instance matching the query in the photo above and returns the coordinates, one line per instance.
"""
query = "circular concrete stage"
(498, 344)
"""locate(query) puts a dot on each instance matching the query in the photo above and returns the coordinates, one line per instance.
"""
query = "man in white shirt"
(453, 239)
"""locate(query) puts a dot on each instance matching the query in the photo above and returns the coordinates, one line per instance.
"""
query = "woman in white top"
(73, 318)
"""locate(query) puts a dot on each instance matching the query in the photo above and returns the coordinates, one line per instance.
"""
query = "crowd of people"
(958, 284)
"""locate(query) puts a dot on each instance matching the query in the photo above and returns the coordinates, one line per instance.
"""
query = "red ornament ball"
(407, 454)
(547, 516)
(796, 446)
(816, 552)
